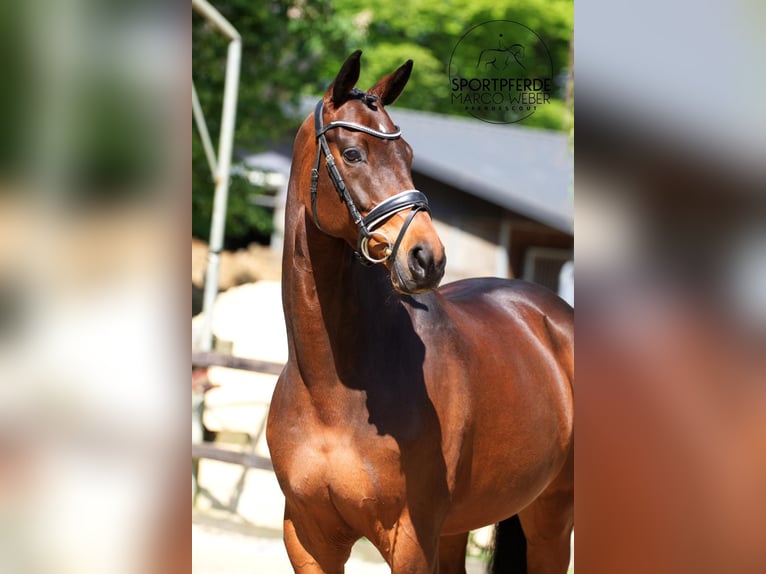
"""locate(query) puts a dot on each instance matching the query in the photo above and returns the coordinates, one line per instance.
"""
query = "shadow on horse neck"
(374, 347)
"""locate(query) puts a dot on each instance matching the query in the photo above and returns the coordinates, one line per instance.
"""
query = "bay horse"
(408, 414)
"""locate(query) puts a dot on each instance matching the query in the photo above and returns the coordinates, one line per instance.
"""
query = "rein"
(408, 199)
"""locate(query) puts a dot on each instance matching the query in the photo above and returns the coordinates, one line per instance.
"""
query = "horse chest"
(345, 473)
(346, 476)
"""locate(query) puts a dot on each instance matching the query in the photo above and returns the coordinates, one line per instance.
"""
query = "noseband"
(408, 199)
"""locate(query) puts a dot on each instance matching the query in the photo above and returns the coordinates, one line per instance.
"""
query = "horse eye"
(352, 155)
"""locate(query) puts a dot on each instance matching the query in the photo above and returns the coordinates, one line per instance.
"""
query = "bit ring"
(363, 247)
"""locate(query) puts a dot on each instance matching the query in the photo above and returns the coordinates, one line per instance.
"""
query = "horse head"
(365, 195)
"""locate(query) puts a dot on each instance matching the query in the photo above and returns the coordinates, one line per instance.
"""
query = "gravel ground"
(222, 544)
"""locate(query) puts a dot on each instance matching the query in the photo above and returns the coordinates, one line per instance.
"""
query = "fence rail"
(216, 451)
(213, 359)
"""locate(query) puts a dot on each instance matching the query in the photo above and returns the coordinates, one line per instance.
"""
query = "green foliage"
(428, 30)
(293, 48)
(245, 222)
(283, 44)
(553, 116)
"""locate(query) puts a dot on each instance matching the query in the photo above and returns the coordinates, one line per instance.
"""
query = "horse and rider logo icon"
(500, 58)
(500, 72)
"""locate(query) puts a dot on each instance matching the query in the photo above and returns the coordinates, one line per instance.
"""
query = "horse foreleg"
(315, 547)
(412, 551)
(452, 554)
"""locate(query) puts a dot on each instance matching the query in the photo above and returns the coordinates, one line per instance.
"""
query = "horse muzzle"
(420, 269)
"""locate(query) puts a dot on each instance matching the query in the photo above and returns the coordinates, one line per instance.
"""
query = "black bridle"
(408, 199)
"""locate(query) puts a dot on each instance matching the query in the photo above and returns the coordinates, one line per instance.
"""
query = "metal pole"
(207, 143)
(214, 17)
(225, 145)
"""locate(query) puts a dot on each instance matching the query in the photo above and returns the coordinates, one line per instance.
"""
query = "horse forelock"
(368, 99)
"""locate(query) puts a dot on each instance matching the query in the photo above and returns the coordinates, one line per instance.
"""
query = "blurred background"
(94, 196)
(671, 286)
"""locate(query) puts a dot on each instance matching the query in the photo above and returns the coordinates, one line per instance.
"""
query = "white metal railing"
(220, 164)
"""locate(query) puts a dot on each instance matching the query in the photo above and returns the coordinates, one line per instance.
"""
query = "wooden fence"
(217, 451)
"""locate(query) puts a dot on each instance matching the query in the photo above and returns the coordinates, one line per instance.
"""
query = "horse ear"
(340, 89)
(389, 87)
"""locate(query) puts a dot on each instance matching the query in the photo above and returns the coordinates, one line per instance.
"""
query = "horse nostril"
(421, 262)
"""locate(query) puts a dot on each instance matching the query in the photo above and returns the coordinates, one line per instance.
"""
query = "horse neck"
(333, 305)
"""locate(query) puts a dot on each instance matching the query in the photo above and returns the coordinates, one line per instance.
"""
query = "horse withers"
(408, 414)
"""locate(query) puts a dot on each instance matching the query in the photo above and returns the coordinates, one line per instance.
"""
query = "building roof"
(525, 170)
